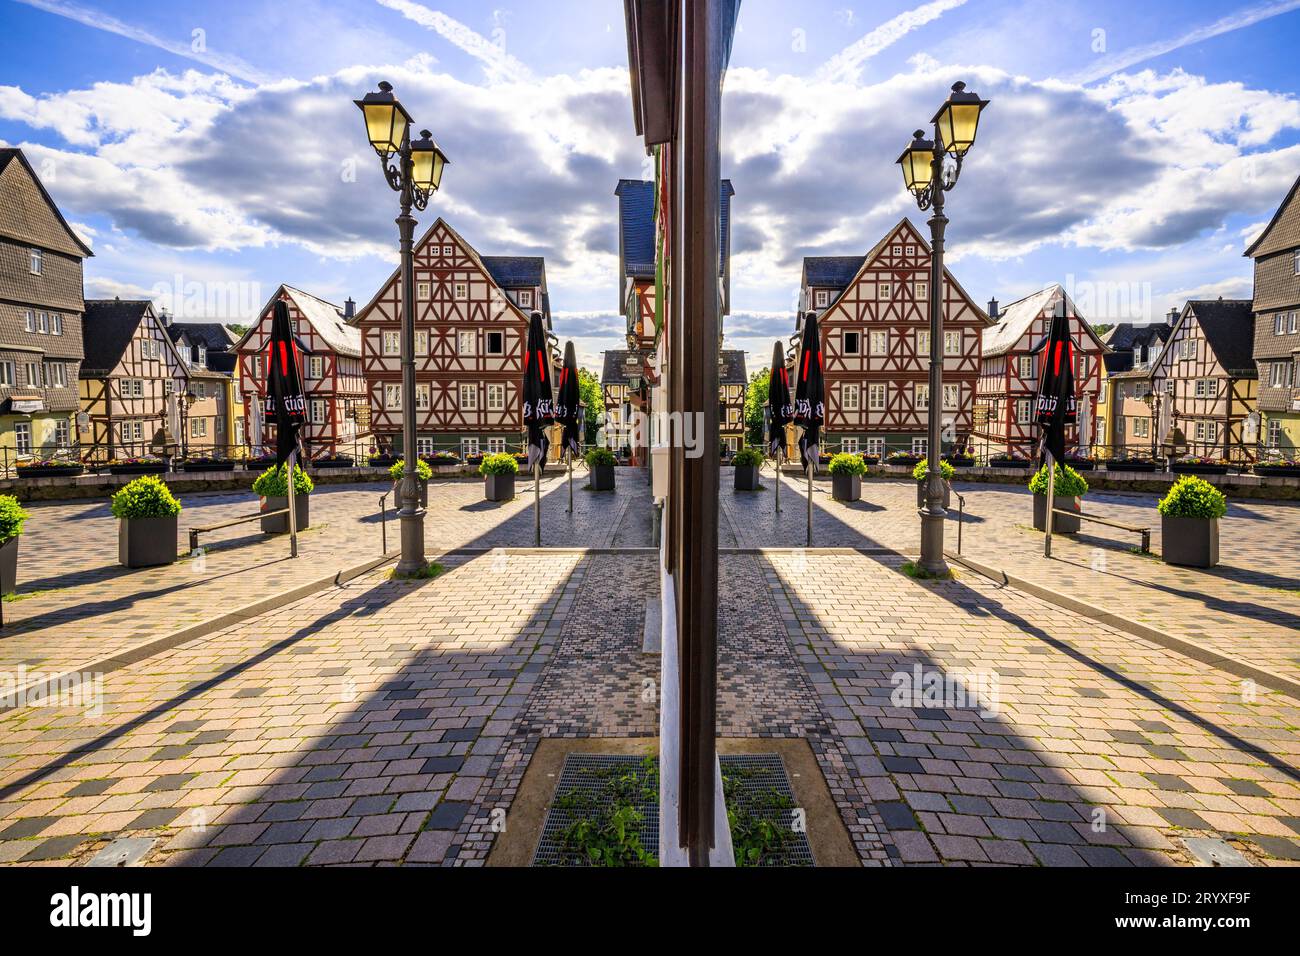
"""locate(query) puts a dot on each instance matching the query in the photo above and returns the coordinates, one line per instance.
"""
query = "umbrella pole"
(569, 455)
(811, 466)
(537, 503)
(1051, 503)
(293, 511)
(778, 482)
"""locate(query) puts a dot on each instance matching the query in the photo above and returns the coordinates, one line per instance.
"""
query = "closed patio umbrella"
(779, 411)
(810, 402)
(567, 407)
(538, 411)
(1055, 405)
(286, 403)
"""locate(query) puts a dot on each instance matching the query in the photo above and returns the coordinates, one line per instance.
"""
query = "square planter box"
(332, 463)
(1010, 463)
(424, 493)
(201, 466)
(146, 542)
(9, 565)
(1136, 466)
(151, 469)
(602, 478)
(1265, 472)
(498, 487)
(920, 495)
(846, 487)
(1179, 468)
(1190, 542)
(280, 523)
(746, 478)
(1062, 524)
(52, 471)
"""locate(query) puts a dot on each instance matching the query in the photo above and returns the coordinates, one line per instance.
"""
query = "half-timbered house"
(874, 318)
(40, 317)
(132, 382)
(732, 382)
(1008, 376)
(1277, 327)
(471, 329)
(1205, 381)
(212, 419)
(332, 375)
(1125, 408)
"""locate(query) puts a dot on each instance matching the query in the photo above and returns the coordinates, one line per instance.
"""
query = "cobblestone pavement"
(1100, 749)
(77, 604)
(1248, 607)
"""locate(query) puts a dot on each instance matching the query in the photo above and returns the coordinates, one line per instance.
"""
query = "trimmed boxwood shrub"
(422, 470)
(12, 517)
(499, 464)
(273, 483)
(146, 497)
(747, 458)
(922, 470)
(846, 463)
(598, 457)
(1192, 497)
(1069, 483)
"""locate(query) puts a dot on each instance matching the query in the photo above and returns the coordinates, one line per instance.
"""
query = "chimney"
(1173, 317)
(993, 308)
(349, 309)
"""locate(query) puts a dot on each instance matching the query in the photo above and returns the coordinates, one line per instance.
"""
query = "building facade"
(332, 376)
(1276, 348)
(132, 383)
(471, 330)
(624, 403)
(1205, 382)
(732, 382)
(1008, 375)
(41, 309)
(874, 319)
(1125, 423)
(212, 412)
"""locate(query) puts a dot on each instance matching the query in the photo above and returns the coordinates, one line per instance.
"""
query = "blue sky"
(211, 151)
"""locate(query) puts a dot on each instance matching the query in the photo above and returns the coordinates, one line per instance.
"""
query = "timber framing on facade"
(1008, 376)
(1206, 382)
(1276, 350)
(471, 329)
(874, 318)
(332, 376)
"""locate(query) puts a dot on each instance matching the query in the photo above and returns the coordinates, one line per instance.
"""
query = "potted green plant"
(1199, 465)
(1189, 523)
(499, 472)
(904, 458)
(422, 474)
(959, 458)
(846, 476)
(50, 468)
(1278, 468)
(922, 471)
(273, 487)
(12, 517)
(1070, 487)
(747, 461)
(600, 462)
(146, 511)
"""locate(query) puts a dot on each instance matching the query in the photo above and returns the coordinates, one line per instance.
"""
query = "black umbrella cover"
(538, 412)
(810, 392)
(285, 400)
(1055, 406)
(780, 408)
(568, 400)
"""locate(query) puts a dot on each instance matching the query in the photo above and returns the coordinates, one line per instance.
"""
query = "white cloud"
(847, 64)
(499, 65)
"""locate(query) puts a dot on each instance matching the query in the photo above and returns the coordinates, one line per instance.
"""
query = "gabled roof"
(615, 371)
(107, 328)
(1267, 244)
(831, 271)
(1229, 327)
(516, 271)
(1015, 320)
(1126, 336)
(732, 371)
(213, 336)
(21, 219)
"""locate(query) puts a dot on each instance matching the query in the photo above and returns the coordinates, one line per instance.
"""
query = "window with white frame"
(422, 396)
(316, 366)
(423, 445)
(920, 446)
(35, 261)
(465, 343)
(23, 437)
(469, 397)
(421, 342)
(1293, 324)
(33, 373)
(951, 397)
(876, 446)
(1207, 432)
(822, 298)
(468, 447)
(1277, 374)
(496, 446)
(62, 433)
(911, 250)
(896, 250)
(496, 397)
(952, 342)
(1274, 433)
(884, 291)
(1102, 391)
(200, 390)
(318, 411)
(220, 427)
(198, 427)
(56, 375)
(42, 323)
(29, 321)
(1141, 428)
(923, 343)
(921, 290)
(849, 446)
(421, 291)
(7, 373)
(1025, 366)
(851, 397)
(877, 395)
(56, 324)
(1187, 348)
(879, 343)
(921, 396)
(393, 396)
(392, 343)
(460, 291)
(525, 298)
(1024, 411)
(496, 343)
(1207, 387)
(257, 367)
(448, 251)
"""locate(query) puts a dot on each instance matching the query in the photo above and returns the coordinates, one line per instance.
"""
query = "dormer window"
(203, 355)
(526, 298)
(36, 261)
(822, 297)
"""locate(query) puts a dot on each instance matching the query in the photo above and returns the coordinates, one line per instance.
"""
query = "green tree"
(755, 399)
(590, 393)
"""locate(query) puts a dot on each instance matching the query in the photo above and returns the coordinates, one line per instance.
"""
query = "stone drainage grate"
(756, 786)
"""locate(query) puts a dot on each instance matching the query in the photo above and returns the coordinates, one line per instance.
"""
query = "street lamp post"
(414, 171)
(928, 176)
